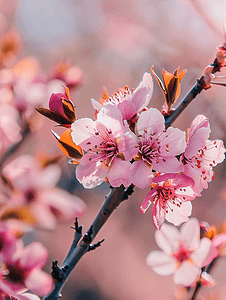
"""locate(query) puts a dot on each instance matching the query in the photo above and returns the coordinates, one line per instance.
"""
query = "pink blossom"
(34, 197)
(157, 148)
(23, 270)
(201, 154)
(130, 102)
(9, 127)
(109, 145)
(171, 198)
(7, 293)
(183, 252)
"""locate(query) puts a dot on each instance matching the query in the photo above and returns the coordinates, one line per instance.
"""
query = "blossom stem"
(199, 284)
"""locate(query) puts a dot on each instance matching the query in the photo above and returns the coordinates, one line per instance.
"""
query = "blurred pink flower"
(201, 154)
(130, 102)
(183, 252)
(34, 197)
(157, 148)
(171, 197)
(9, 127)
(109, 145)
(23, 270)
(7, 293)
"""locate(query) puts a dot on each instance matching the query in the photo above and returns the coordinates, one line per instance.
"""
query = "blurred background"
(113, 43)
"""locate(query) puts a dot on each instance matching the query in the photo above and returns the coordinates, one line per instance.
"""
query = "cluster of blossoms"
(24, 85)
(21, 266)
(129, 144)
(29, 197)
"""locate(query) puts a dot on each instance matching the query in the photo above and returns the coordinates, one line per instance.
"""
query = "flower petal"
(82, 130)
(178, 215)
(111, 117)
(140, 174)
(39, 282)
(186, 274)
(127, 108)
(142, 101)
(34, 256)
(91, 174)
(151, 121)
(118, 173)
(158, 215)
(148, 200)
(168, 238)
(161, 263)
(200, 255)
(190, 234)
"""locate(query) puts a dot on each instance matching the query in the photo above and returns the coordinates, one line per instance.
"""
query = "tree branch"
(112, 201)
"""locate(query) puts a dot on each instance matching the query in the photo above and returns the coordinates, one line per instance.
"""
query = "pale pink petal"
(183, 181)
(19, 170)
(158, 215)
(200, 255)
(214, 154)
(39, 282)
(30, 296)
(196, 141)
(194, 173)
(140, 174)
(63, 205)
(200, 121)
(141, 102)
(96, 104)
(118, 173)
(141, 97)
(148, 200)
(43, 216)
(91, 174)
(219, 240)
(172, 142)
(177, 215)
(127, 143)
(168, 164)
(82, 130)
(34, 256)
(111, 117)
(152, 121)
(161, 263)
(48, 177)
(190, 234)
(186, 274)
(185, 193)
(168, 238)
(213, 253)
(127, 108)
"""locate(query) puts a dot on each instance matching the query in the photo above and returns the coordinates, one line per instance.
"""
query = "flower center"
(148, 152)
(106, 150)
(182, 254)
(14, 274)
(29, 195)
